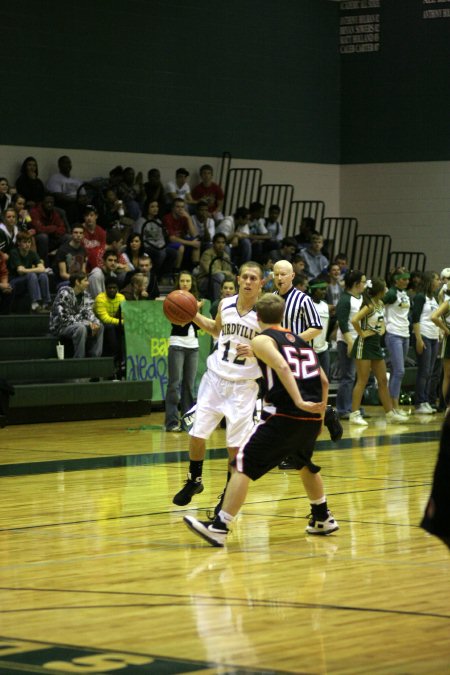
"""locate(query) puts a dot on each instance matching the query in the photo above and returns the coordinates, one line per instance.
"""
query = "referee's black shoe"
(191, 488)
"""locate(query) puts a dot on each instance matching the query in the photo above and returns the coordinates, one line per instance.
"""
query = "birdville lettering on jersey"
(239, 329)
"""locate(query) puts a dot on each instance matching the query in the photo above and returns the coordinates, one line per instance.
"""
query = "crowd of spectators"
(77, 225)
(120, 237)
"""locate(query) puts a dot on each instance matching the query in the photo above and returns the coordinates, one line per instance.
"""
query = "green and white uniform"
(397, 306)
(369, 348)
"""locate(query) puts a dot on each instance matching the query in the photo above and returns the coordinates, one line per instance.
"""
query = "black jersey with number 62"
(304, 366)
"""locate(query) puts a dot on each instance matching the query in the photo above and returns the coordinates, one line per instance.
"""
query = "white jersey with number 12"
(236, 329)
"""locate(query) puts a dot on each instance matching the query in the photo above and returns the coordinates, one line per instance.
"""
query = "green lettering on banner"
(147, 334)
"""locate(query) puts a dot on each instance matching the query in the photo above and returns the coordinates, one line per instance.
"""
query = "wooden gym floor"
(99, 573)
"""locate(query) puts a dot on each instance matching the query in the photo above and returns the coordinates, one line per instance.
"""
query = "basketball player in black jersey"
(436, 519)
(294, 404)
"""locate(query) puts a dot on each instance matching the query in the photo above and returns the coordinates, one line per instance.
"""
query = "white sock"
(226, 517)
(317, 502)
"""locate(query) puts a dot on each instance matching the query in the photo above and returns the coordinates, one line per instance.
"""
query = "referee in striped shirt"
(300, 316)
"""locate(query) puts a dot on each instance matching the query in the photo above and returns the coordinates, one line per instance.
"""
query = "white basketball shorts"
(218, 398)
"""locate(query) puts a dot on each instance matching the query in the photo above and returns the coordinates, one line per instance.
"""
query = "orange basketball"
(180, 307)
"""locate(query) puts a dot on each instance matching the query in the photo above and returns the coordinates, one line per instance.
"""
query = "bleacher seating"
(48, 389)
(370, 253)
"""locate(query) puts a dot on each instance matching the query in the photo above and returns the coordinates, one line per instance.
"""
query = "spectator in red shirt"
(94, 236)
(209, 192)
(50, 228)
(5, 286)
(182, 233)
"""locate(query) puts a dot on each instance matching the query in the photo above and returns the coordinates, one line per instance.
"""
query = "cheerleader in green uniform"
(368, 354)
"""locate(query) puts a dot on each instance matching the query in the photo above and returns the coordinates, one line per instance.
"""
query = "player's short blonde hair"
(270, 308)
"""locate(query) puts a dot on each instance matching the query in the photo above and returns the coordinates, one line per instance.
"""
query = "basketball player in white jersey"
(228, 388)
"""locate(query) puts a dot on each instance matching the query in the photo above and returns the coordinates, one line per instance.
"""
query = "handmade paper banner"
(147, 334)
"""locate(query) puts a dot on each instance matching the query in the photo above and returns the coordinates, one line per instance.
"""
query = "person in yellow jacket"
(107, 309)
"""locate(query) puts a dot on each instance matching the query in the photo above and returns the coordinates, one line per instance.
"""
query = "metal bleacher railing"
(241, 188)
(225, 166)
(340, 235)
(304, 209)
(280, 194)
(412, 260)
(370, 253)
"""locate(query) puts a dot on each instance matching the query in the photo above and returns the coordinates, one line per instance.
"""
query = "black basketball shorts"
(275, 438)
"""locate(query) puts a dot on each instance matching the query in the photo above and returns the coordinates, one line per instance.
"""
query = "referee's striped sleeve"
(300, 313)
(311, 315)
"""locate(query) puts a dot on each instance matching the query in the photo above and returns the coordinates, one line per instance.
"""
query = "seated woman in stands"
(29, 184)
(156, 239)
(23, 215)
(8, 230)
(133, 249)
(5, 194)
